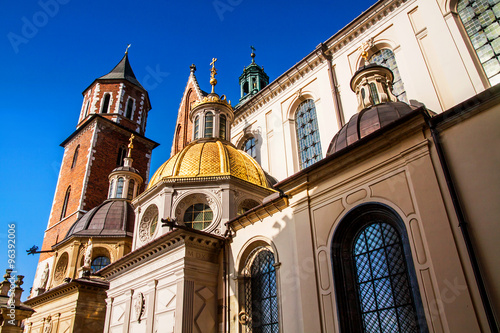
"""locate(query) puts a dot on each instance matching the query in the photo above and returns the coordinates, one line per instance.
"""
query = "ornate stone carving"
(44, 277)
(87, 260)
(149, 223)
(61, 267)
(139, 306)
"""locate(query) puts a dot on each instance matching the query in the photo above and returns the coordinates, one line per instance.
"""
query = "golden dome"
(210, 158)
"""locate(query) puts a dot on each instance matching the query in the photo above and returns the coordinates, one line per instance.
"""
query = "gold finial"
(364, 48)
(213, 72)
(130, 145)
(253, 53)
(126, 51)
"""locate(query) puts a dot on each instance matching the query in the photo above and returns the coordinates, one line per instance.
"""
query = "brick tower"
(114, 107)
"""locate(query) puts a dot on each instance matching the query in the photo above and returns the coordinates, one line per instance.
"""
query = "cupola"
(212, 115)
(253, 79)
(125, 181)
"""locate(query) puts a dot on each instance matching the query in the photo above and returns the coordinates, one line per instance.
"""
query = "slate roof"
(122, 71)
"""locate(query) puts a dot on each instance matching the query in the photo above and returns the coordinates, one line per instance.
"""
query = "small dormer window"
(130, 107)
(222, 127)
(105, 103)
(209, 125)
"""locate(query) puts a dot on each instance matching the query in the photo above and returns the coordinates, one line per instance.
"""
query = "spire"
(123, 71)
(128, 160)
(213, 72)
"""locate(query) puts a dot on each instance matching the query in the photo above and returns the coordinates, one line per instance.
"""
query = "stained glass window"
(99, 263)
(261, 296)
(198, 216)
(209, 125)
(385, 57)
(481, 19)
(308, 134)
(382, 282)
(249, 147)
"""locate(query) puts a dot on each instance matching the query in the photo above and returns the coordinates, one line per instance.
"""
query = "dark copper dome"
(112, 218)
(366, 122)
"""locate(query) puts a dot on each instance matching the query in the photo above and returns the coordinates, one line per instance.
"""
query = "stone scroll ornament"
(139, 306)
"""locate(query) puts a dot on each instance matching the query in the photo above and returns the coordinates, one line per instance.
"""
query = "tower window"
(130, 106)
(308, 134)
(119, 188)
(481, 20)
(374, 277)
(87, 108)
(131, 185)
(122, 153)
(222, 127)
(105, 103)
(261, 297)
(249, 147)
(196, 127)
(65, 203)
(198, 216)
(385, 57)
(209, 125)
(75, 157)
(111, 187)
(374, 94)
(99, 263)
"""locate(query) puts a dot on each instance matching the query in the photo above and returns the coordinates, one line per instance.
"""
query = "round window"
(149, 221)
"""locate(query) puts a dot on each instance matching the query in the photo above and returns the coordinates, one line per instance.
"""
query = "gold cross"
(213, 62)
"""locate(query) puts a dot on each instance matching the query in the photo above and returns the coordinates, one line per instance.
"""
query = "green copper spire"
(253, 78)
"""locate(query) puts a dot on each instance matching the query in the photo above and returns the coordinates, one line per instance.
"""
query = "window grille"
(261, 297)
(481, 19)
(99, 263)
(382, 282)
(198, 216)
(249, 147)
(308, 134)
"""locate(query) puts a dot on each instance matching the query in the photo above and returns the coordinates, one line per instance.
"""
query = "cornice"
(159, 246)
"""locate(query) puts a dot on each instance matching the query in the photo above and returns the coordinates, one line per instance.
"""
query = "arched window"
(261, 296)
(87, 108)
(198, 216)
(222, 127)
(308, 134)
(249, 147)
(209, 125)
(131, 185)
(130, 106)
(122, 153)
(105, 103)
(375, 280)
(65, 203)
(196, 127)
(385, 57)
(374, 94)
(119, 188)
(111, 186)
(99, 263)
(481, 21)
(75, 157)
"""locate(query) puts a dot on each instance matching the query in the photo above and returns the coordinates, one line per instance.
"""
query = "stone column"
(128, 308)
(109, 309)
(151, 295)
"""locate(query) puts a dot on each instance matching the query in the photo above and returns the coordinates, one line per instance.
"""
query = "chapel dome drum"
(210, 158)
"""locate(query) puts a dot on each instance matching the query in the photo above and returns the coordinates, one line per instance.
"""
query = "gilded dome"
(210, 158)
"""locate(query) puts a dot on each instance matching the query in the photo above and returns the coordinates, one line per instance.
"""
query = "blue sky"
(53, 49)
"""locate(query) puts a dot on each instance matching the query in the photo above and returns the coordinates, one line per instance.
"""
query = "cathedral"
(356, 192)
